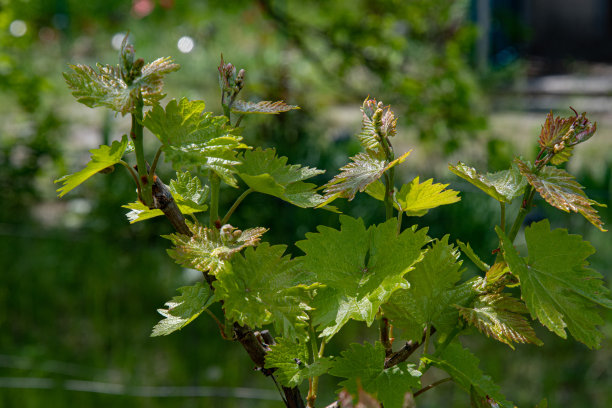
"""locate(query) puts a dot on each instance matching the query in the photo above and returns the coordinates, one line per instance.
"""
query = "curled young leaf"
(503, 185)
(263, 107)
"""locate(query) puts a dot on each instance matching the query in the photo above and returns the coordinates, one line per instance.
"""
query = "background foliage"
(80, 286)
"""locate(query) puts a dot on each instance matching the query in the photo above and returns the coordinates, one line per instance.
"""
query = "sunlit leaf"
(101, 158)
(364, 366)
(193, 138)
(264, 287)
(561, 190)
(503, 185)
(263, 107)
(557, 285)
(359, 267)
(183, 309)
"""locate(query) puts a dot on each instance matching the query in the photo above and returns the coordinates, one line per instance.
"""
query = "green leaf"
(193, 138)
(290, 359)
(359, 267)
(469, 252)
(561, 190)
(357, 176)
(209, 250)
(416, 198)
(108, 88)
(556, 284)
(263, 107)
(462, 366)
(264, 287)
(183, 309)
(503, 185)
(101, 158)
(365, 365)
(432, 293)
(266, 173)
(499, 315)
(188, 193)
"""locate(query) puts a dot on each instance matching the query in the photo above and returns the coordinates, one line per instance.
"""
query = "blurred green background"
(469, 80)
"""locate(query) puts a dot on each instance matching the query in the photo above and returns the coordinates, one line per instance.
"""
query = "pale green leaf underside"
(209, 250)
(359, 267)
(432, 294)
(290, 358)
(503, 185)
(462, 366)
(415, 198)
(556, 284)
(263, 107)
(364, 170)
(101, 158)
(364, 365)
(499, 315)
(193, 138)
(561, 190)
(183, 309)
(264, 287)
(266, 173)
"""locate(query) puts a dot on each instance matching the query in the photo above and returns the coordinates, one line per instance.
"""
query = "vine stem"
(136, 133)
(430, 386)
(155, 160)
(502, 207)
(313, 382)
(235, 205)
(133, 173)
(215, 184)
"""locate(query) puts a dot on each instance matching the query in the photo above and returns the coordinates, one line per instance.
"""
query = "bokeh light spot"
(185, 44)
(18, 28)
(117, 40)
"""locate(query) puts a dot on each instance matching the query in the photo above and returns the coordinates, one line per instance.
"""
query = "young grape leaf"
(108, 88)
(469, 252)
(556, 284)
(263, 107)
(365, 365)
(101, 158)
(416, 199)
(503, 185)
(499, 315)
(571, 131)
(432, 294)
(266, 173)
(188, 193)
(374, 127)
(359, 267)
(290, 359)
(183, 309)
(561, 190)
(264, 287)
(357, 176)
(193, 138)
(462, 366)
(209, 250)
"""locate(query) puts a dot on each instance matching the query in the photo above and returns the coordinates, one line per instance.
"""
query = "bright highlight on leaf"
(359, 267)
(462, 366)
(101, 158)
(291, 361)
(358, 175)
(209, 250)
(503, 185)
(499, 315)
(561, 190)
(556, 284)
(183, 309)
(416, 199)
(263, 107)
(264, 287)
(193, 138)
(267, 173)
(365, 365)
(432, 294)
(188, 193)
